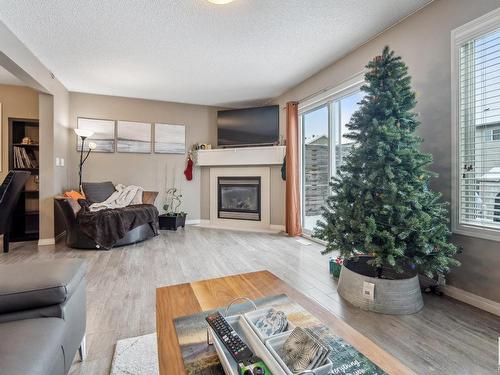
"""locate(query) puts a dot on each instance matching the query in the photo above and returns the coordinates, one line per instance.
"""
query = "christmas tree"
(381, 204)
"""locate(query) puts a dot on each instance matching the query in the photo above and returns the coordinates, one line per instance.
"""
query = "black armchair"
(10, 190)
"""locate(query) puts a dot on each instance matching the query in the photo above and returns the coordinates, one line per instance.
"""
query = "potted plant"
(381, 216)
(173, 218)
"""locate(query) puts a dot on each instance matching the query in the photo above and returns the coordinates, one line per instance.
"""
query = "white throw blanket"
(122, 197)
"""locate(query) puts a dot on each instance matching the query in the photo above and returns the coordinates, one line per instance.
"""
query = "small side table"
(169, 222)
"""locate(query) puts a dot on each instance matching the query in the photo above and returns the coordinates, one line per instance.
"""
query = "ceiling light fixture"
(220, 2)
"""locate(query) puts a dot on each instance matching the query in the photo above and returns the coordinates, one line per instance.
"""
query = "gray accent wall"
(423, 41)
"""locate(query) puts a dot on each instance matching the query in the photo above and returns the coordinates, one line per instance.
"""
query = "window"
(324, 146)
(476, 197)
(492, 135)
(315, 163)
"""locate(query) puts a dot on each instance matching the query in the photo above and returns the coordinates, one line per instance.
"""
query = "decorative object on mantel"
(385, 221)
(204, 146)
(84, 134)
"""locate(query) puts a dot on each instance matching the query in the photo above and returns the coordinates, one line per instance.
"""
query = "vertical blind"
(479, 141)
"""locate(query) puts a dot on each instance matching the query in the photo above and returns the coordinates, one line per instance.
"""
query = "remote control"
(233, 343)
(248, 363)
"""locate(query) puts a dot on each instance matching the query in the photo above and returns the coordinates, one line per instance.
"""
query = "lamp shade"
(92, 145)
(83, 133)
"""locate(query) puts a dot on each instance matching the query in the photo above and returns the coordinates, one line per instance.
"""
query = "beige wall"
(53, 105)
(17, 102)
(147, 170)
(423, 40)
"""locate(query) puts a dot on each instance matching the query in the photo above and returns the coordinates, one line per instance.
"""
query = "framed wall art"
(169, 139)
(103, 134)
(133, 137)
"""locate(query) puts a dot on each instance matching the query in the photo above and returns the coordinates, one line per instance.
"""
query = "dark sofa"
(42, 316)
(10, 190)
(98, 192)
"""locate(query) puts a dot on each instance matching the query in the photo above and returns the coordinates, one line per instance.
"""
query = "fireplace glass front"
(239, 198)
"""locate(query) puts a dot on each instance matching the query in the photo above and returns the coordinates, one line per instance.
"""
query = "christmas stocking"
(188, 172)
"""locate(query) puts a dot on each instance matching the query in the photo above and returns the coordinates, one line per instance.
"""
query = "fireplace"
(239, 198)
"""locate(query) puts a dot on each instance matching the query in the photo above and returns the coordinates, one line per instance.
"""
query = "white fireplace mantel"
(266, 155)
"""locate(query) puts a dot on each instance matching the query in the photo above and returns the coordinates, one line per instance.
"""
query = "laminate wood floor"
(446, 337)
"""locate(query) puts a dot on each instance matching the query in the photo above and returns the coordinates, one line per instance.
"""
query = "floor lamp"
(84, 134)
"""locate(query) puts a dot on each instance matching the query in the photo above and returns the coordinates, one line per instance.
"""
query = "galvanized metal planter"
(397, 294)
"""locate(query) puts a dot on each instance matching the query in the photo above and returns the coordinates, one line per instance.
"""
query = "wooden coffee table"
(186, 299)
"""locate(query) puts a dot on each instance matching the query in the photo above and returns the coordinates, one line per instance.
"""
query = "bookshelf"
(25, 156)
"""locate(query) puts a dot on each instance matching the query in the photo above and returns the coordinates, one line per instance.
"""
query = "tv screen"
(249, 126)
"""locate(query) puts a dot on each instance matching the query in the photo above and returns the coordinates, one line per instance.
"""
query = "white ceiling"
(6, 78)
(193, 51)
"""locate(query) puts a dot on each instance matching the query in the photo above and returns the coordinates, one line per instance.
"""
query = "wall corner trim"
(472, 299)
(46, 241)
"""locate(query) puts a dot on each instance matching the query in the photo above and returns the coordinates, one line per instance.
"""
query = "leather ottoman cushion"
(32, 346)
(26, 286)
(96, 192)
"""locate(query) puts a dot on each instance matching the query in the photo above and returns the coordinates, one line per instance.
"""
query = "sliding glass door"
(315, 163)
(324, 146)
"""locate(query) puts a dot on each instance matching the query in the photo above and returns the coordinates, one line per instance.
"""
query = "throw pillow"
(138, 198)
(97, 192)
(84, 204)
(75, 195)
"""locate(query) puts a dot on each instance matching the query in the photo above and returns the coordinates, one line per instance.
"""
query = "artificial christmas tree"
(381, 204)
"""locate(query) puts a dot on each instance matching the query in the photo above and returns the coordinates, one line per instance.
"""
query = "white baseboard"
(272, 229)
(472, 299)
(314, 239)
(280, 228)
(193, 222)
(46, 241)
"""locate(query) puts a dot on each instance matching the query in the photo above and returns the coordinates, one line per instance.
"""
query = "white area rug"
(136, 356)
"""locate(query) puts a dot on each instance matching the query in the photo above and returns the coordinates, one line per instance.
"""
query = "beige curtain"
(293, 224)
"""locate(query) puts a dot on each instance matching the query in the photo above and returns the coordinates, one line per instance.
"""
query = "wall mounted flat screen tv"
(248, 127)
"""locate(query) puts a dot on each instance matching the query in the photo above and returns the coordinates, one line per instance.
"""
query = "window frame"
(327, 98)
(459, 36)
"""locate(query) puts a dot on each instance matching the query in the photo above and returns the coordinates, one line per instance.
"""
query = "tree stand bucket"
(396, 294)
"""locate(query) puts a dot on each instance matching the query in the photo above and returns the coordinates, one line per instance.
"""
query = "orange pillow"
(74, 195)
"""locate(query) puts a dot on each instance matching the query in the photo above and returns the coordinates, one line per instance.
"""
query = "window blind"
(479, 133)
